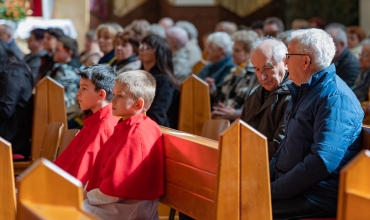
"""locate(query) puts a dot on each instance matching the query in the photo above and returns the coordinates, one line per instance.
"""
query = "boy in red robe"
(128, 174)
(95, 94)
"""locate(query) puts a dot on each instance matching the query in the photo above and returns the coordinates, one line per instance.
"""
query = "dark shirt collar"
(107, 57)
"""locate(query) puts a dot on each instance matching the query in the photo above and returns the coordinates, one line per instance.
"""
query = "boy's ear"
(102, 94)
(140, 104)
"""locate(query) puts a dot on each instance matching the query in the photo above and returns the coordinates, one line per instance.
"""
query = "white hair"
(8, 29)
(285, 36)
(246, 37)
(156, 29)
(221, 40)
(179, 35)
(318, 44)
(278, 48)
(338, 35)
(188, 27)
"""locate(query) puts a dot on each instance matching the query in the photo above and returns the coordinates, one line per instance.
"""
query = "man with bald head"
(166, 22)
(323, 123)
(346, 64)
(7, 36)
(264, 108)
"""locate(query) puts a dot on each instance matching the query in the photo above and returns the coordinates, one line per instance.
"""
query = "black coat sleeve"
(162, 100)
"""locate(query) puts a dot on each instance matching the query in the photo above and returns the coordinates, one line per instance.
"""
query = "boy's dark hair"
(102, 76)
(70, 44)
(56, 32)
(38, 33)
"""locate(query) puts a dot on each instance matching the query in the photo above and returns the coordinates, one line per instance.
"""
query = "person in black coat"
(156, 57)
(346, 64)
(16, 101)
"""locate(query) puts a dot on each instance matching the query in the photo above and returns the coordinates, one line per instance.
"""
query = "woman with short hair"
(126, 52)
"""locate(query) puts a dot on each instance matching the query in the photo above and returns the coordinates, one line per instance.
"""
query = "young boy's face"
(87, 97)
(123, 102)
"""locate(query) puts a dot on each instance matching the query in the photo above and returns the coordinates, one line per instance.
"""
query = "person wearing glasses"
(362, 82)
(322, 131)
(264, 107)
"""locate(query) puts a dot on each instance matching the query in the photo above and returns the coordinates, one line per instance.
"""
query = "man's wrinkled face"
(269, 72)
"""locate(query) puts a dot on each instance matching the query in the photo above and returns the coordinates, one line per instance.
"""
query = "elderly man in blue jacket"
(323, 125)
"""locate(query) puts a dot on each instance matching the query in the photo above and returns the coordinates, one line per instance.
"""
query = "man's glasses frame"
(296, 54)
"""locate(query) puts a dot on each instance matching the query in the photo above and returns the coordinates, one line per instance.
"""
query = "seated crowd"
(300, 88)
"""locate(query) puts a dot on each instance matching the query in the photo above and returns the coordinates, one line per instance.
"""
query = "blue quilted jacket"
(323, 124)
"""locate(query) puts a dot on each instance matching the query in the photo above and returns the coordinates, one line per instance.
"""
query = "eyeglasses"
(144, 47)
(287, 55)
(363, 55)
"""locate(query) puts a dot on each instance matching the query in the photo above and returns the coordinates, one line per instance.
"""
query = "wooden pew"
(67, 137)
(224, 180)
(354, 188)
(365, 137)
(195, 106)
(58, 195)
(49, 107)
(199, 66)
(7, 192)
(48, 149)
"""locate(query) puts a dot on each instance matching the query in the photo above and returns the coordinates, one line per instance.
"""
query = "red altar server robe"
(130, 165)
(78, 158)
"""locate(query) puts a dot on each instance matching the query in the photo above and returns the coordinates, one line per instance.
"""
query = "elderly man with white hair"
(219, 55)
(346, 64)
(192, 47)
(177, 37)
(7, 36)
(322, 131)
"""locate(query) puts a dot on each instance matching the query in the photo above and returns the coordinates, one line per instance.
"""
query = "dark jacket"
(47, 63)
(347, 67)
(268, 117)
(361, 86)
(16, 102)
(34, 62)
(15, 50)
(218, 71)
(322, 133)
(108, 58)
(164, 109)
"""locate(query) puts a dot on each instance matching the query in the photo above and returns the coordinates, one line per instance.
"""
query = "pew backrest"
(49, 107)
(195, 106)
(191, 165)
(67, 137)
(58, 195)
(7, 192)
(224, 180)
(51, 140)
(354, 190)
(366, 137)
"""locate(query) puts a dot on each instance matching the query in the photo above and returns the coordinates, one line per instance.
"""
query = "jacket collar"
(221, 63)
(129, 122)
(94, 118)
(320, 76)
(342, 56)
(273, 96)
(315, 79)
